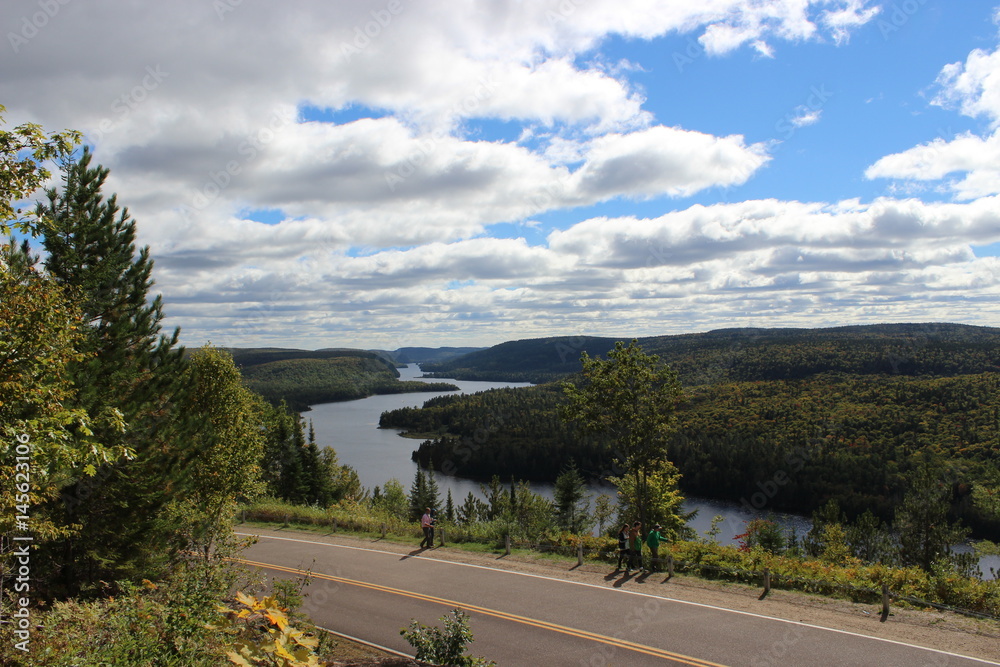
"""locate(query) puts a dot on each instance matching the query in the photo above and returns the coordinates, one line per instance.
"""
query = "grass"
(854, 580)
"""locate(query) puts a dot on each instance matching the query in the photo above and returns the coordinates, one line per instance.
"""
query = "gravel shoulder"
(944, 631)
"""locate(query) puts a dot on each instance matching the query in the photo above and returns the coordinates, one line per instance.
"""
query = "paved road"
(524, 619)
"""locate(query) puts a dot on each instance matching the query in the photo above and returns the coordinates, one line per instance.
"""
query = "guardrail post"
(885, 603)
(767, 583)
(506, 540)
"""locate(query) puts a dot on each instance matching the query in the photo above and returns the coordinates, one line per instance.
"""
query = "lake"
(351, 428)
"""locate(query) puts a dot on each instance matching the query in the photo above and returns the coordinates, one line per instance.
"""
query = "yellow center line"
(544, 625)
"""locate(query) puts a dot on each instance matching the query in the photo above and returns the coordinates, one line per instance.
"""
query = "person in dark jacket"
(623, 550)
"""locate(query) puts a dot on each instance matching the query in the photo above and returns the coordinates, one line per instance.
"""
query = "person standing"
(653, 540)
(427, 523)
(623, 550)
(635, 543)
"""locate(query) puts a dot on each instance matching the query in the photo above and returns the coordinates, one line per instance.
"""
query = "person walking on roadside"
(635, 543)
(653, 540)
(427, 523)
(623, 550)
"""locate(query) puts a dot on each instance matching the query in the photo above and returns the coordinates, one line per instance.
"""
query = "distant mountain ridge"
(752, 354)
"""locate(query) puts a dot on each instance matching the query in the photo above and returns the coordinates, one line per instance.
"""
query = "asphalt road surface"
(526, 619)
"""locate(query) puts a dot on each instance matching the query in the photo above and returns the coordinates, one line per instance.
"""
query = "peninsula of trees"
(776, 419)
(302, 378)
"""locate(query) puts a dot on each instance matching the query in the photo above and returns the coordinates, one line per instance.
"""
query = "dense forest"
(752, 354)
(779, 420)
(302, 378)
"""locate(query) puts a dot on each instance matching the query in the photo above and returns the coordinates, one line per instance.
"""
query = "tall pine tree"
(128, 370)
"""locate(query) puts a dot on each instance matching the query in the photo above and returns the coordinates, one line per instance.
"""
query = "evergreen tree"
(497, 499)
(128, 372)
(471, 510)
(424, 494)
(925, 532)
(449, 508)
(572, 502)
(871, 540)
(603, 511)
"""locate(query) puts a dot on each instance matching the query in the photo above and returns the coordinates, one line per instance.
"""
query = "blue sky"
(389, 172)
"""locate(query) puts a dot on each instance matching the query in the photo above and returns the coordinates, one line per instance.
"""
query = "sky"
(386, 173)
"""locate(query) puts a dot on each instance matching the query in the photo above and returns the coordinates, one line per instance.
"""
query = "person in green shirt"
(635, 542)
(653, 540)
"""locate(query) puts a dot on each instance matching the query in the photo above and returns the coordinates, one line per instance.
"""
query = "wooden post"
(579, 553)
(885, 603)
(442, 535)
(334, 525)
(383, 531)
(506, 540)
(767, 583)
(670, 566)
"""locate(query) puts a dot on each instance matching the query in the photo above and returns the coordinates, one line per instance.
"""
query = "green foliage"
(659, 495)
(630, 397)
(23, 152)
(572, 502)
(40, 330)
(860, 582)
(850, 438)
(297, 470)
(603, 511)
(230, 444)
(763, 534)
(926, 535)
(424, 494)
(393, 500)
(147, 623)
(447, 646)
(750, 355)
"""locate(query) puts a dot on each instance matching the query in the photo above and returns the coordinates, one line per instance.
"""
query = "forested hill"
(753, 354)
(303, 377)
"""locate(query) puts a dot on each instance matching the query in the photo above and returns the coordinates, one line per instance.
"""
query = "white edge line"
(366, 642)
(647, 595)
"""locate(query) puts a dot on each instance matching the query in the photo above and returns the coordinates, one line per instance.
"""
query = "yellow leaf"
(238, 659)
(277, 618)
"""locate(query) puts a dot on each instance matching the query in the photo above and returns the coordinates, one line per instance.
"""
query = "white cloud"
(974, 89)
(199, 124)
(807, 117)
